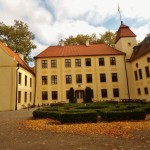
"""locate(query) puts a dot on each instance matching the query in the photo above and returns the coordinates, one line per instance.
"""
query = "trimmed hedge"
(147, 109)
(67, 116)
(92, 107)
(46, 114)
(80, 113)
(121, 115)
(78, 117)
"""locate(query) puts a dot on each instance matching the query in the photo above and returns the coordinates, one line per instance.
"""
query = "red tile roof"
(124, 31)
(141, 49)
(78, 50)
(17, 57)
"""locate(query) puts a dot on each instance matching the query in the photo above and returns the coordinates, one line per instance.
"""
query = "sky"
(53, 20)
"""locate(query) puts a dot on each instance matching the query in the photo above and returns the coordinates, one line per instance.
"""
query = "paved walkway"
(11, 138)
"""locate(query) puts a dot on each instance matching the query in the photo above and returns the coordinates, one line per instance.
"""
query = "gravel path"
(12, 138)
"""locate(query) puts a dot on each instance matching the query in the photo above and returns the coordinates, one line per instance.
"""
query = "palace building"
(99, 67)
(108, 71)
(116, 73)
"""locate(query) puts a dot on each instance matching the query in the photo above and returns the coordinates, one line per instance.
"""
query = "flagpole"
(119, 13)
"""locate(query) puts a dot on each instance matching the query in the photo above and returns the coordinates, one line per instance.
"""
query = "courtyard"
(19, 131)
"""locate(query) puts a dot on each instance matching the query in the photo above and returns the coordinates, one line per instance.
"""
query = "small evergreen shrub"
(71, 95)
(88, 95)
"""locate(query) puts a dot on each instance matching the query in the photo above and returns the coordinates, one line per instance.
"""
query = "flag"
(119, 12)
(118, 8)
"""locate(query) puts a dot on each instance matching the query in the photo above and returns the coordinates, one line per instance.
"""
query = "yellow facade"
(126, 45)
(10, 88)
(138, 88)
(7, 81)
(26, 88)
(95, 70)
(141, 84)
(127, 86)
(126, 79)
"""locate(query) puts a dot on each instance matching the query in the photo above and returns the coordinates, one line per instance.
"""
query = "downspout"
(34, 89)
(127, 78)
(16, 86)
(35, 83)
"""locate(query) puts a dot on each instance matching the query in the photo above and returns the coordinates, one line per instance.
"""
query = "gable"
(6, 59)
(15, 56)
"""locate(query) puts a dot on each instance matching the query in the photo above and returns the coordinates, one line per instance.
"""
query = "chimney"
(62, 43)
(21, 56)
(87, 43)
(148, 35)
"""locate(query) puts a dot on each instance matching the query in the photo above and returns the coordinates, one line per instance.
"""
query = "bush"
(92, 107)
(88, 95)
(78, 117)
(147, 109)
(71, 95)
(48, 109)
(77, 113)
(57, 104)
(134, 114)
(68, 116)
(46, 114)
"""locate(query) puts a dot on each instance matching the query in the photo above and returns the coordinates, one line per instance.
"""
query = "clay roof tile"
(17, 57)
(124, 31)
(141, 49)
(78, 50)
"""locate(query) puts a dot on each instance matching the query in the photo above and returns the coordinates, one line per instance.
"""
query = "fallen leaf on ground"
(114, 128)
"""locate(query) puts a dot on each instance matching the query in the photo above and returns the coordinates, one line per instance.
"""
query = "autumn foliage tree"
(108, 38)
(18, 38)
(81, 39)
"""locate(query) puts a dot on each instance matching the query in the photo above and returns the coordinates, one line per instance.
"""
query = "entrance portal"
(79, 94)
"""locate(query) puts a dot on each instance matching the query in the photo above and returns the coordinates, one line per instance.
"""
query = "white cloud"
(89, 10)
(39, 49)
(52, 20)
(61, 30)
(51, 34)
(142, 31)
(135, 9)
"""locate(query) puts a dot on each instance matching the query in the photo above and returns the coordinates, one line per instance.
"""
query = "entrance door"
(79, 94)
